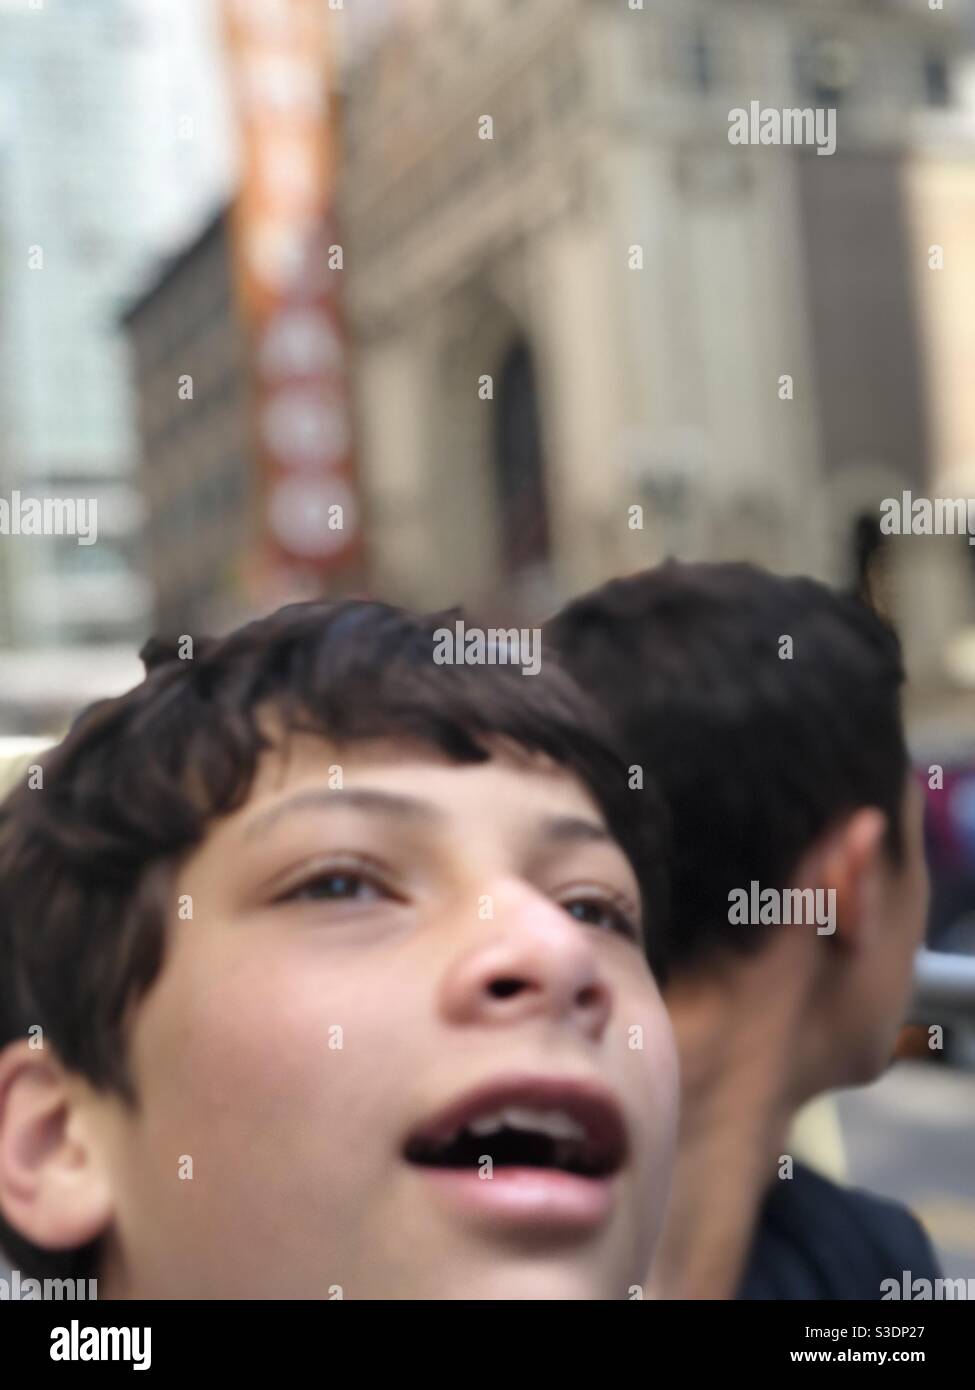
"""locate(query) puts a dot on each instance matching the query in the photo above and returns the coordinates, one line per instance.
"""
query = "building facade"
(591, 331)
(197, 472)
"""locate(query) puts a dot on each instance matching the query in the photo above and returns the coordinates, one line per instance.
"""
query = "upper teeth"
(555, 1123)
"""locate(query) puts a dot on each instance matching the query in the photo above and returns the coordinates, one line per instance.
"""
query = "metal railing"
(944, 988)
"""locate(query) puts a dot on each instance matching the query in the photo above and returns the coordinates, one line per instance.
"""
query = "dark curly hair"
(755, 752)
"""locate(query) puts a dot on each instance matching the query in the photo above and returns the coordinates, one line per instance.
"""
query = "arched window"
(519, 468)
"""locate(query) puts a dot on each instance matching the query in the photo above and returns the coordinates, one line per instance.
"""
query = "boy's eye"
(598, 912)
(338, 885)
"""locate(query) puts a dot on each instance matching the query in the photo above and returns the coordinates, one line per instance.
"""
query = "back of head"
(765, 709)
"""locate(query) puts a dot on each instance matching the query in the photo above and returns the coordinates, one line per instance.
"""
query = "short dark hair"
(87, 862)
(755, 752)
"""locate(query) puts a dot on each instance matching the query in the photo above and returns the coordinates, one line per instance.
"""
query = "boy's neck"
(743, 1076)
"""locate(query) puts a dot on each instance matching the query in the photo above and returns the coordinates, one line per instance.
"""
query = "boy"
(322, 976)
(769, 711)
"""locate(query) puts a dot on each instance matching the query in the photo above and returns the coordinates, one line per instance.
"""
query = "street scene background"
(475, 301)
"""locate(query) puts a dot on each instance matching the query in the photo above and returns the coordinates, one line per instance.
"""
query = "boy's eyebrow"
(557, 829)
(361, 798)
(569, 829)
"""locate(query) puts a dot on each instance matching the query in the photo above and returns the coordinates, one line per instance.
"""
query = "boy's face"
(367, 973)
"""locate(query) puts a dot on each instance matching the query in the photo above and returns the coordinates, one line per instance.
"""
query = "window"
(519, 466)
(936, 85)
(72, 560)
(826, 70)
(701, 61)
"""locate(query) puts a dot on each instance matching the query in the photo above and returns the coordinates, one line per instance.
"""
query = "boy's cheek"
(645, 1025)
(257, 1040)
(652, 1051)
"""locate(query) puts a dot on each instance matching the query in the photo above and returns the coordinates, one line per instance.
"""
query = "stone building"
(591, 331)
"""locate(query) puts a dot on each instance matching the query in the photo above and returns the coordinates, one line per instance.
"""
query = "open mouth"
(560, 1126)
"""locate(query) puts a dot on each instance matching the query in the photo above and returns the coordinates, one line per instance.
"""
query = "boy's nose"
(533, 960)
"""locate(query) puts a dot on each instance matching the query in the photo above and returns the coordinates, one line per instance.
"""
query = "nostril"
(589, 996)
(504, 989)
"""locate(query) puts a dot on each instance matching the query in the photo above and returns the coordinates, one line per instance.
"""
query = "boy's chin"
(547, 1280)
(551, 1284)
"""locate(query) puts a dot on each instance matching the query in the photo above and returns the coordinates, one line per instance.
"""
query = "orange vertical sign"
(288, 266)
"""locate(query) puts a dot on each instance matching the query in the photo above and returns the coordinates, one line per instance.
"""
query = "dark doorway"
(872, 577)
(519, 468)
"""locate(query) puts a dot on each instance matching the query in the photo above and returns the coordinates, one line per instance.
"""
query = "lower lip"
(532, 1198)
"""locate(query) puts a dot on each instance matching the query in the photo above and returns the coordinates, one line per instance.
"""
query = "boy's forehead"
(411, 765)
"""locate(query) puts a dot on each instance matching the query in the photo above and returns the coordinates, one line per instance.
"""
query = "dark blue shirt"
(816, 1239)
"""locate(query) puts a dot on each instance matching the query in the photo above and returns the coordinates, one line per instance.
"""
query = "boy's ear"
(54, 1189)
(852, 861)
